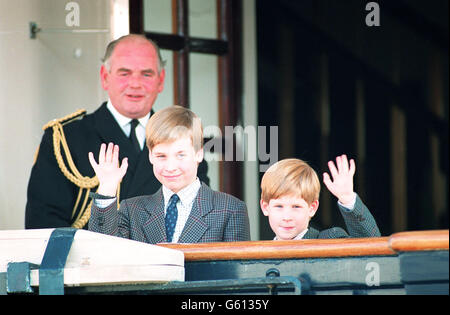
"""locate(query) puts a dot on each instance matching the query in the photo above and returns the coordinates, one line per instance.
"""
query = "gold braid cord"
(71, 172)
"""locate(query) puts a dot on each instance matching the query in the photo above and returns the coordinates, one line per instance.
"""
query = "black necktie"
(171, 217)
(133, 138)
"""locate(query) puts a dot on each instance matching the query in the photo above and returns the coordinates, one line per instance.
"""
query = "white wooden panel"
(95, 258)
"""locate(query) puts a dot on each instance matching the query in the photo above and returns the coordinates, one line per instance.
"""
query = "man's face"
(133, 81)
(175, 164)
(288, 215)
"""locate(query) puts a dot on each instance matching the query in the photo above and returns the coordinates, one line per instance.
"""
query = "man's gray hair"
(112, 45)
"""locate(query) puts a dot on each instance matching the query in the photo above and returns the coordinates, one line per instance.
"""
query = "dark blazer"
(215, 217)
(51, 196)
(359, 223)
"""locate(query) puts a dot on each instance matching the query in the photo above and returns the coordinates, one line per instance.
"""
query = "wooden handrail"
(379, 246)
(419, 241)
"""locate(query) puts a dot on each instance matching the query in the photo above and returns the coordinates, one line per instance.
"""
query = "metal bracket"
(34, 29)
(227, 285)
(272, 281)
(51, 272)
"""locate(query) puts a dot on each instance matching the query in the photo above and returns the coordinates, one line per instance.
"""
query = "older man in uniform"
(62, 178)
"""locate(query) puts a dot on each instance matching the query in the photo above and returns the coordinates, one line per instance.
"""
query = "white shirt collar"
(124, 121)
(187, 194)
(298, 237)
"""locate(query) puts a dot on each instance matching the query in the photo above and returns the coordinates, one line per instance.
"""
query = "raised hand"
(107, 169)
(342, 184)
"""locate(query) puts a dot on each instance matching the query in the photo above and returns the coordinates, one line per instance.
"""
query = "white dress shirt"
(125, 124)
(298, 237)
(184, 205)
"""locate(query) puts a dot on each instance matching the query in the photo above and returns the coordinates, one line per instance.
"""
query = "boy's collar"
(298, 237)
(187, 194)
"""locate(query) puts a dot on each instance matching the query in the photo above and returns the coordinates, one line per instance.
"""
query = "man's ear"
(313, 208)
(264, 207)
(104, 74)
(162, 76)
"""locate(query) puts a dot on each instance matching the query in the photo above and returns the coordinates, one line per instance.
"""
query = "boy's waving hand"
(342, 184)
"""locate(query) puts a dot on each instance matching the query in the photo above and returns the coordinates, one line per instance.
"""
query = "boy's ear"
(264, 207)
(150, 157)
(313, 208)
(199, 155)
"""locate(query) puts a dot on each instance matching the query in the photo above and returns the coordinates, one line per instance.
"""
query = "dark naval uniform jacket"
(51, 196)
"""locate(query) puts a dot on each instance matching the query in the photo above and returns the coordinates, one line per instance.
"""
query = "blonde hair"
(290, 177)
(172, 123)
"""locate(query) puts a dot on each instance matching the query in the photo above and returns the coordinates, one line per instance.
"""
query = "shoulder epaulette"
(66, 119)
(69, 169)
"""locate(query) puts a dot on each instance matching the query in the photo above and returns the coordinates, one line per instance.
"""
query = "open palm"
(342, 184)
(108, 171)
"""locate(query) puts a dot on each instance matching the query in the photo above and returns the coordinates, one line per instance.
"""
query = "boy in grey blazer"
(290, 198)
(183, 210)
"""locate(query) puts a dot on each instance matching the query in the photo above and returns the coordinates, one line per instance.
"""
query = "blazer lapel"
(154, 228)
(196, 225)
